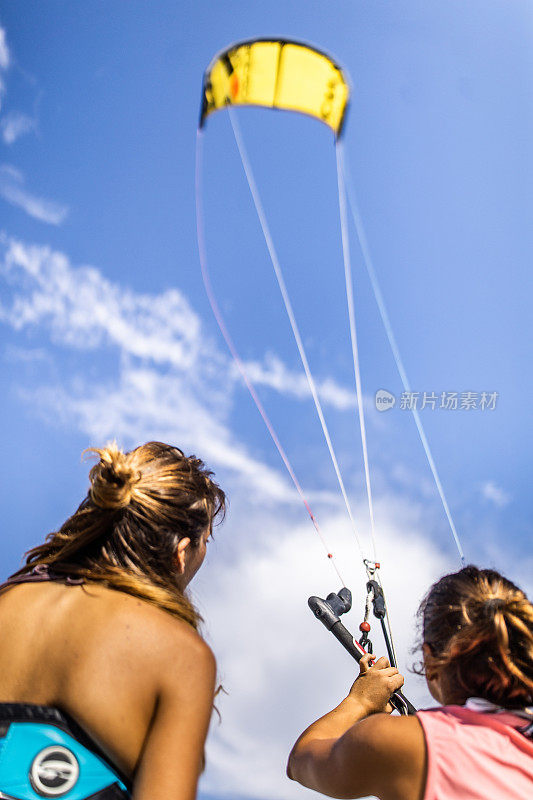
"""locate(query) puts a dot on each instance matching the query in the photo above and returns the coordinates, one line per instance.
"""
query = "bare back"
(108, 659)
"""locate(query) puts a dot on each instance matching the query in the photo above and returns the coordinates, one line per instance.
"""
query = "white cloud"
(12, 189)
(83, 309)
(173, 382)
(495, 494)
(5, 57)
(146, 405)
(15, 124)
(276, 375)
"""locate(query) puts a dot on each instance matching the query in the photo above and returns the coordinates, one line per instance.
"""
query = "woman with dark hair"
(106, 686)
(477, 745)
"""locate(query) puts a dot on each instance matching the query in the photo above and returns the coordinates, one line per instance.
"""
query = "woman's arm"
(356, 751)
(172, 756)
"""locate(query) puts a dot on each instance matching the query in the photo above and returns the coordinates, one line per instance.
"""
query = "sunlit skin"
(140, 681)
(358, 749)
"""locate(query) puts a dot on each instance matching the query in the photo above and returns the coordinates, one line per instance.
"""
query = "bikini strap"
(39, 574)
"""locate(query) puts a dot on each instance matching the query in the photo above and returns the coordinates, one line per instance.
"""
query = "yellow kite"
(277, 74)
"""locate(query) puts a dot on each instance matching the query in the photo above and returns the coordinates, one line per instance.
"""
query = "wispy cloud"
(145, 405)
(15, 124)
(81, 308)
(272, 372)
(5, 58)
(13, 190)
(493, 493)
(172, 381)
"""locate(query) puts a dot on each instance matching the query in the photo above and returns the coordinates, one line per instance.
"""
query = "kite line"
(293, 76)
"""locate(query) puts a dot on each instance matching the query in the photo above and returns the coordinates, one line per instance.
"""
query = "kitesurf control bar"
(328, 612)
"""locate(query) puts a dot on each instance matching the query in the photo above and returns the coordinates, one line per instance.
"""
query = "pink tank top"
(476, 756)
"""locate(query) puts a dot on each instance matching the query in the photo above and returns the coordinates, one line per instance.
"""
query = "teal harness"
(45, 754)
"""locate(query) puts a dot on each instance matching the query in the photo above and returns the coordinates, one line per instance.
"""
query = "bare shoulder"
(385, 731)
(392, 753)
(137, 637)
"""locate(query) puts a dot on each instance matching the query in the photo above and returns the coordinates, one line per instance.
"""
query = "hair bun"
(113, 479)
(494, 604)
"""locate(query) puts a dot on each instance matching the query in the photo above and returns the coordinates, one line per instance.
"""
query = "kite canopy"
(277, 74)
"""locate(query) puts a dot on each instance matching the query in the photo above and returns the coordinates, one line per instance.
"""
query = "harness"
(45, 754)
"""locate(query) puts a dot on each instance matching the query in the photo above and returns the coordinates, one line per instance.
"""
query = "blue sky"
(106, 329)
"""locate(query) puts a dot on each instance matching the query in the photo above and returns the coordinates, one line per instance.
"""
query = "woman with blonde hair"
(106, 686)
(477, 745)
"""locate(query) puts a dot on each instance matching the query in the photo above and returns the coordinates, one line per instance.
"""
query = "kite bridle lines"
(346, 197)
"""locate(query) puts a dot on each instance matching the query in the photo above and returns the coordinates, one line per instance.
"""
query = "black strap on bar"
(380, 612)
